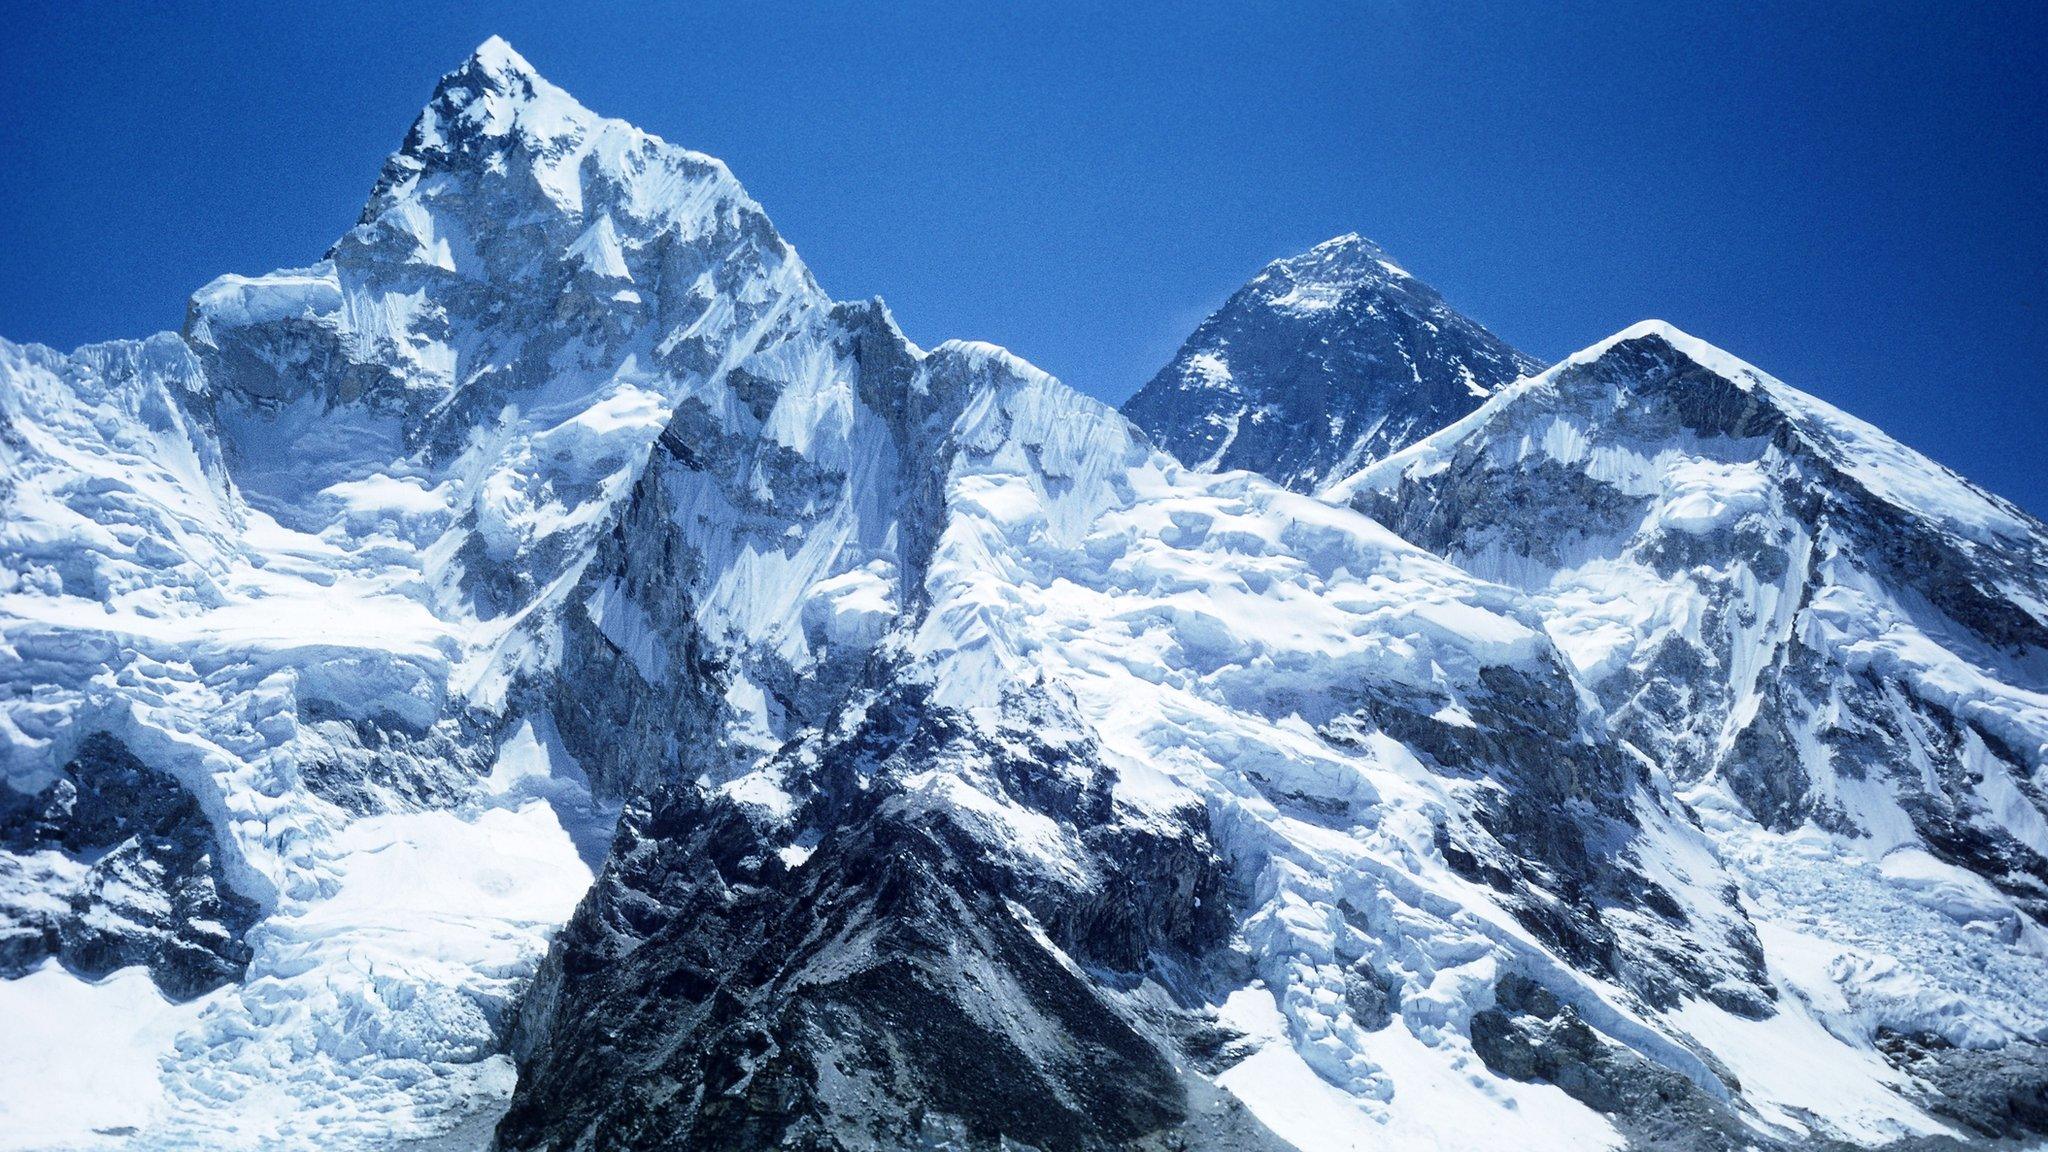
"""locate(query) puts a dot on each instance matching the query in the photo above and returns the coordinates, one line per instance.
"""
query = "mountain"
(1323, 363)
(547, 676)
(1115, 802)
(303, 569)
(1837, 647)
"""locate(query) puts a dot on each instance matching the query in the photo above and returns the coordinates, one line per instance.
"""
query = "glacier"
(546, 675)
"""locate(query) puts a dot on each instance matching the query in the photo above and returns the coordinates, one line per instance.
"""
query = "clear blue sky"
(1854, 197)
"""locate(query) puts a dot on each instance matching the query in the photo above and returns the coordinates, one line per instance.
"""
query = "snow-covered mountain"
(547, 676)
(307, 565)
(1322, 364)
(1835, 647)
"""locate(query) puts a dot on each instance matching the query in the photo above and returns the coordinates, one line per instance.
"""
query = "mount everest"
(1322, 364)
(547, 676)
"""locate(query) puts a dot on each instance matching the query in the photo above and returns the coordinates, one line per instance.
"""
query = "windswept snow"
(300, 558)
(1751, 582)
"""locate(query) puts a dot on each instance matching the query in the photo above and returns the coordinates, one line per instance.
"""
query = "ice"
(1892, 471)
(1442, 1102)
(1211, 369)
(1701, 496)
(1795, 1072)
(857, 607)
(396, 446)
(598, 249)
(393, 986)
(375, 494)
(1709, 552)
(1199, 621)
(290, 293)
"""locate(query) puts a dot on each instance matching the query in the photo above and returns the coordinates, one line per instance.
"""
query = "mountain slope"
(1090, 739)
(1838, 647)
(1323, 363)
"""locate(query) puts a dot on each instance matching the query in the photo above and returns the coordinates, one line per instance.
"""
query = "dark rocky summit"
(1322, 364)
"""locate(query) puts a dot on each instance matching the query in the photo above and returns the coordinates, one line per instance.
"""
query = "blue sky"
(1851, 196)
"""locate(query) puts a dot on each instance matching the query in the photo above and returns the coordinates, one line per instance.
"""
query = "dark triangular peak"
(1320, 365)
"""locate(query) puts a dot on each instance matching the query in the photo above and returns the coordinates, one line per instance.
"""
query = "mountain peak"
(494, 68)
(496, 674)
(1653, 356)
(1348, 242)
(496, 124)
(1347, 260)
(1324, 361)
(496, 54)
(1721, 363)
(495, 92)
(1655, 375)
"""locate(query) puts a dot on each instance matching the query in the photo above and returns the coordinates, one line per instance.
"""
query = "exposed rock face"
(1322, 364)
(897, 984)
(144, 884)
(1804, 593)
(548, 674)
(804, 937)
(1529, 1036)
(2001, 1093)
(321, 558)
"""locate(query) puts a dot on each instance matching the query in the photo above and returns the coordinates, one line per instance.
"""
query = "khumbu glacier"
(547, 676)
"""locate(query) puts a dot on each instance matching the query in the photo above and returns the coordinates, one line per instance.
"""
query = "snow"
(1703, 496)
(856, 607)
(241, 301)
(1891, 471)
(1796, 1073)
(1438, 1107)
(1898, 475)
(1322, 278)
(598, 250)
(376, 999)
(78, 1059)
(1862, 927)
(378, 493)
(1199, 622)
(1881, 942)
(1308, 299)
(1959, 895)
(1210, 370)
(394, 444)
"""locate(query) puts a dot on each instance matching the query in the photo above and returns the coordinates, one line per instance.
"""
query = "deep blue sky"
(1855, 197)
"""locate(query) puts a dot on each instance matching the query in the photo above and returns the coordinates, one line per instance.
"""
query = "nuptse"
(547, 676)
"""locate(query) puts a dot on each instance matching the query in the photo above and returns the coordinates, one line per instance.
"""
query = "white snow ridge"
(546, 676)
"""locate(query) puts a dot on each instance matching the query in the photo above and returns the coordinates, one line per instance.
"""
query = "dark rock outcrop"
(147, 884)
(904, 982)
